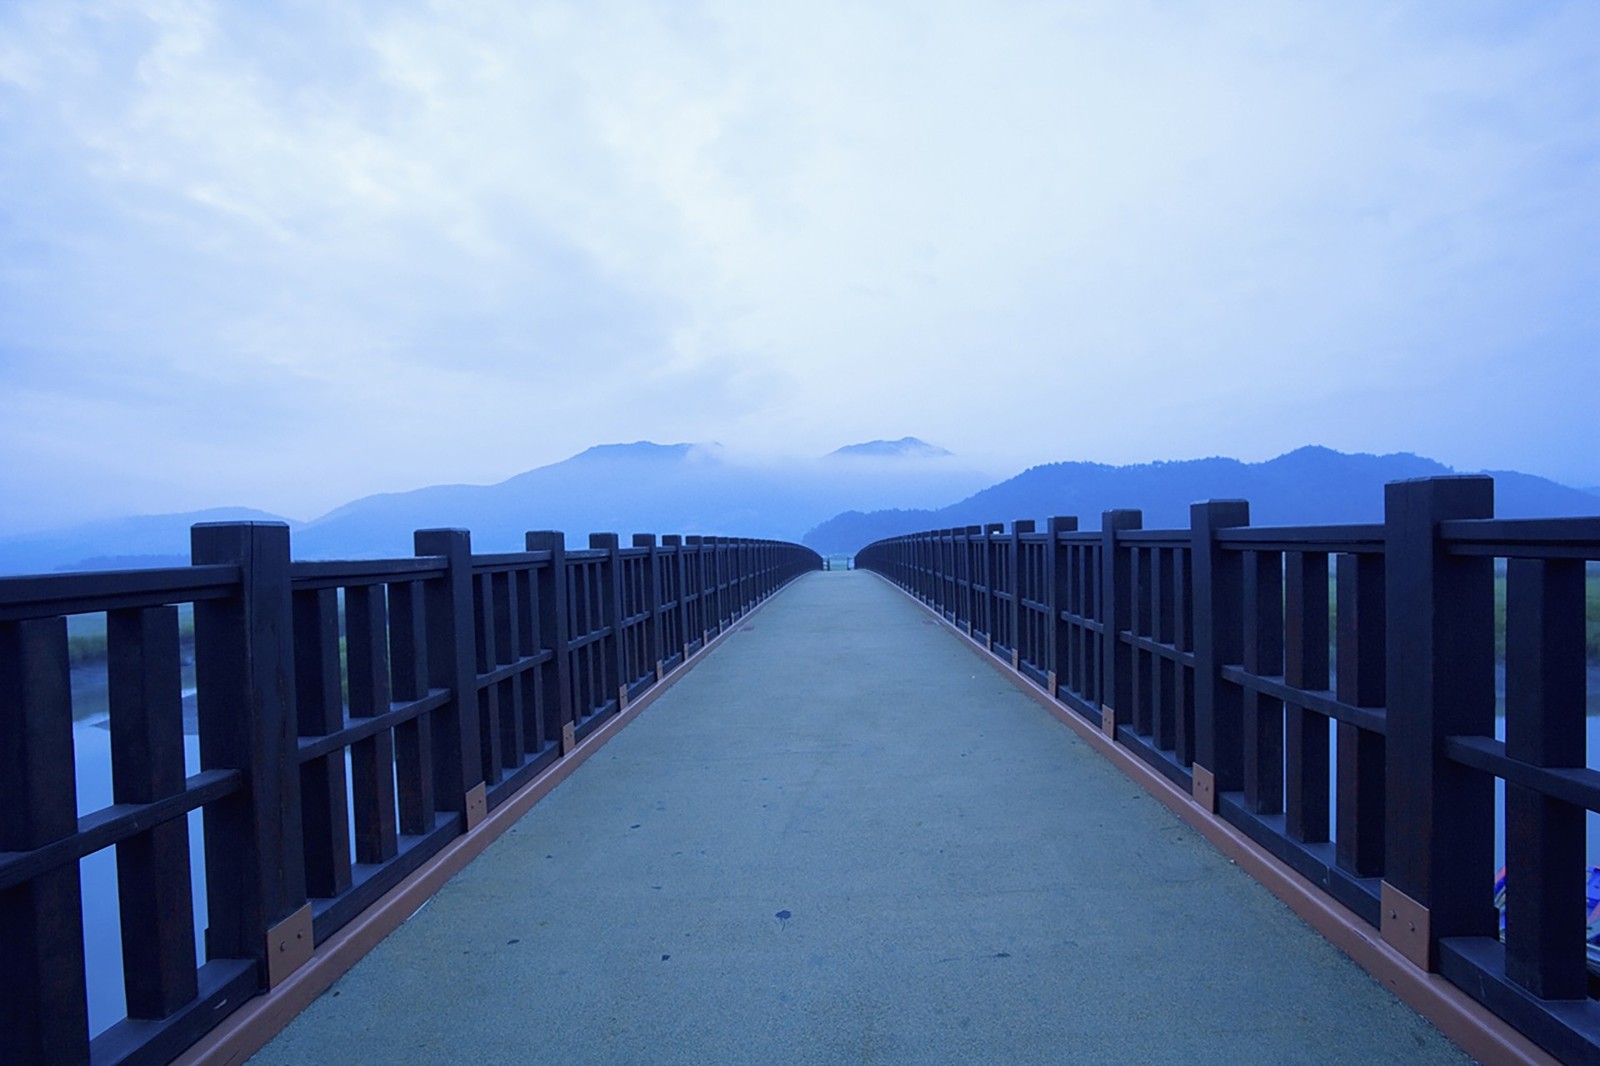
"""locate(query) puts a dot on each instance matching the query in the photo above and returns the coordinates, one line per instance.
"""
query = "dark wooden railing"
(1215, 655)
(403, 697)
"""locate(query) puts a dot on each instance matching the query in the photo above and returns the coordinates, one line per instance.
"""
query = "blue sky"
(283, 259)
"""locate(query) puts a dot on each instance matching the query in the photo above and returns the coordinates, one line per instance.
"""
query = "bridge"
(1043, 802)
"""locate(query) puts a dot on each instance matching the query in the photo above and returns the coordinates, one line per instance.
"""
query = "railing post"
(244, 673)
(652, 600)
(1056, 575)
(559, 714)
(1441, 683)
(44, 1014)
(1116, 602)
(1218, 581)
(452, 663)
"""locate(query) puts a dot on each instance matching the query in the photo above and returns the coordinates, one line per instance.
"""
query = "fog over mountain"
(620, 488)
(846, 499)
(1310, 485)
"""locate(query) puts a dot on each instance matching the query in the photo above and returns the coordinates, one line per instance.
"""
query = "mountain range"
(1308, 486)
(836, 503)
(621, 488)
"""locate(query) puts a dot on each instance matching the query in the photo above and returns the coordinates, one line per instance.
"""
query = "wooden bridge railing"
(1220, 654)
(396, 700)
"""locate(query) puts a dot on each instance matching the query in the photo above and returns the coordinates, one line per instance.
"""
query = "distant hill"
(1311, 485)
(619, 488)
(905, 447)
(871, 490)
(117, 543)
(650, 488)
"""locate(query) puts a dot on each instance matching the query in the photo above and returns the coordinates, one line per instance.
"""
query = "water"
(102, 922)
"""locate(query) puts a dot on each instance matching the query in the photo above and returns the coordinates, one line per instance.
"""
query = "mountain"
(905, 447)
(621, 488)
(1311, 485)
(648, 487)
(117, 543)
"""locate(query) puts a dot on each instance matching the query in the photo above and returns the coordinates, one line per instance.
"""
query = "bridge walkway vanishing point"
(844, 837)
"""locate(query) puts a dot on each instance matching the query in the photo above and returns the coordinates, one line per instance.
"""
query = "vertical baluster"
(560, 714)
(1263, 657)
(1058, 578)
(508, 693)
(371, 758)
(1360, 682)
(1140, 573)
(1162, 669)
(1183, 640)
(488, 696)
(609, 601)
(1306, 667)
(677, 641)
(1545, 727)
(654, 644)
(525, 592)
(413, 740)
(44, 1015)
(1016, 584)
(319, 700)
(147, 765)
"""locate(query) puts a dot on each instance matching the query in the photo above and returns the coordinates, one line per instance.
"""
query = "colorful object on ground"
(1591, 895)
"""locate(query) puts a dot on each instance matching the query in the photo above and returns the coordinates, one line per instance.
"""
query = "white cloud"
(1029, 232)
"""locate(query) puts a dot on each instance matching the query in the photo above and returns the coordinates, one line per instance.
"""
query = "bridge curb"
(1473, 1028)
(253, 1025)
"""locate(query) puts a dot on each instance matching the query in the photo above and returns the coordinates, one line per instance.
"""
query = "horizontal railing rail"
(1330, 691)
(345, 722)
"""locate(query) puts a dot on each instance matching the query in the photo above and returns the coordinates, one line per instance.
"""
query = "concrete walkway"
(844, 838)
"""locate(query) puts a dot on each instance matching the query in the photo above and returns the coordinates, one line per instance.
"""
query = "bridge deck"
(843, 837)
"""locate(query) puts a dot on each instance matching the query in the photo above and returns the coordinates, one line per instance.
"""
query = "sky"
(283, 256)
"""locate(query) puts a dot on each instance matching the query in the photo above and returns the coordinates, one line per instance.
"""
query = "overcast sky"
(286, 255)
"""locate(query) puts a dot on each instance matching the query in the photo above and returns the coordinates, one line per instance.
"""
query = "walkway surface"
(843, 837)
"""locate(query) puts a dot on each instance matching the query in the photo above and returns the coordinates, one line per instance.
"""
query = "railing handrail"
(445, 681)
(1206, 653)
